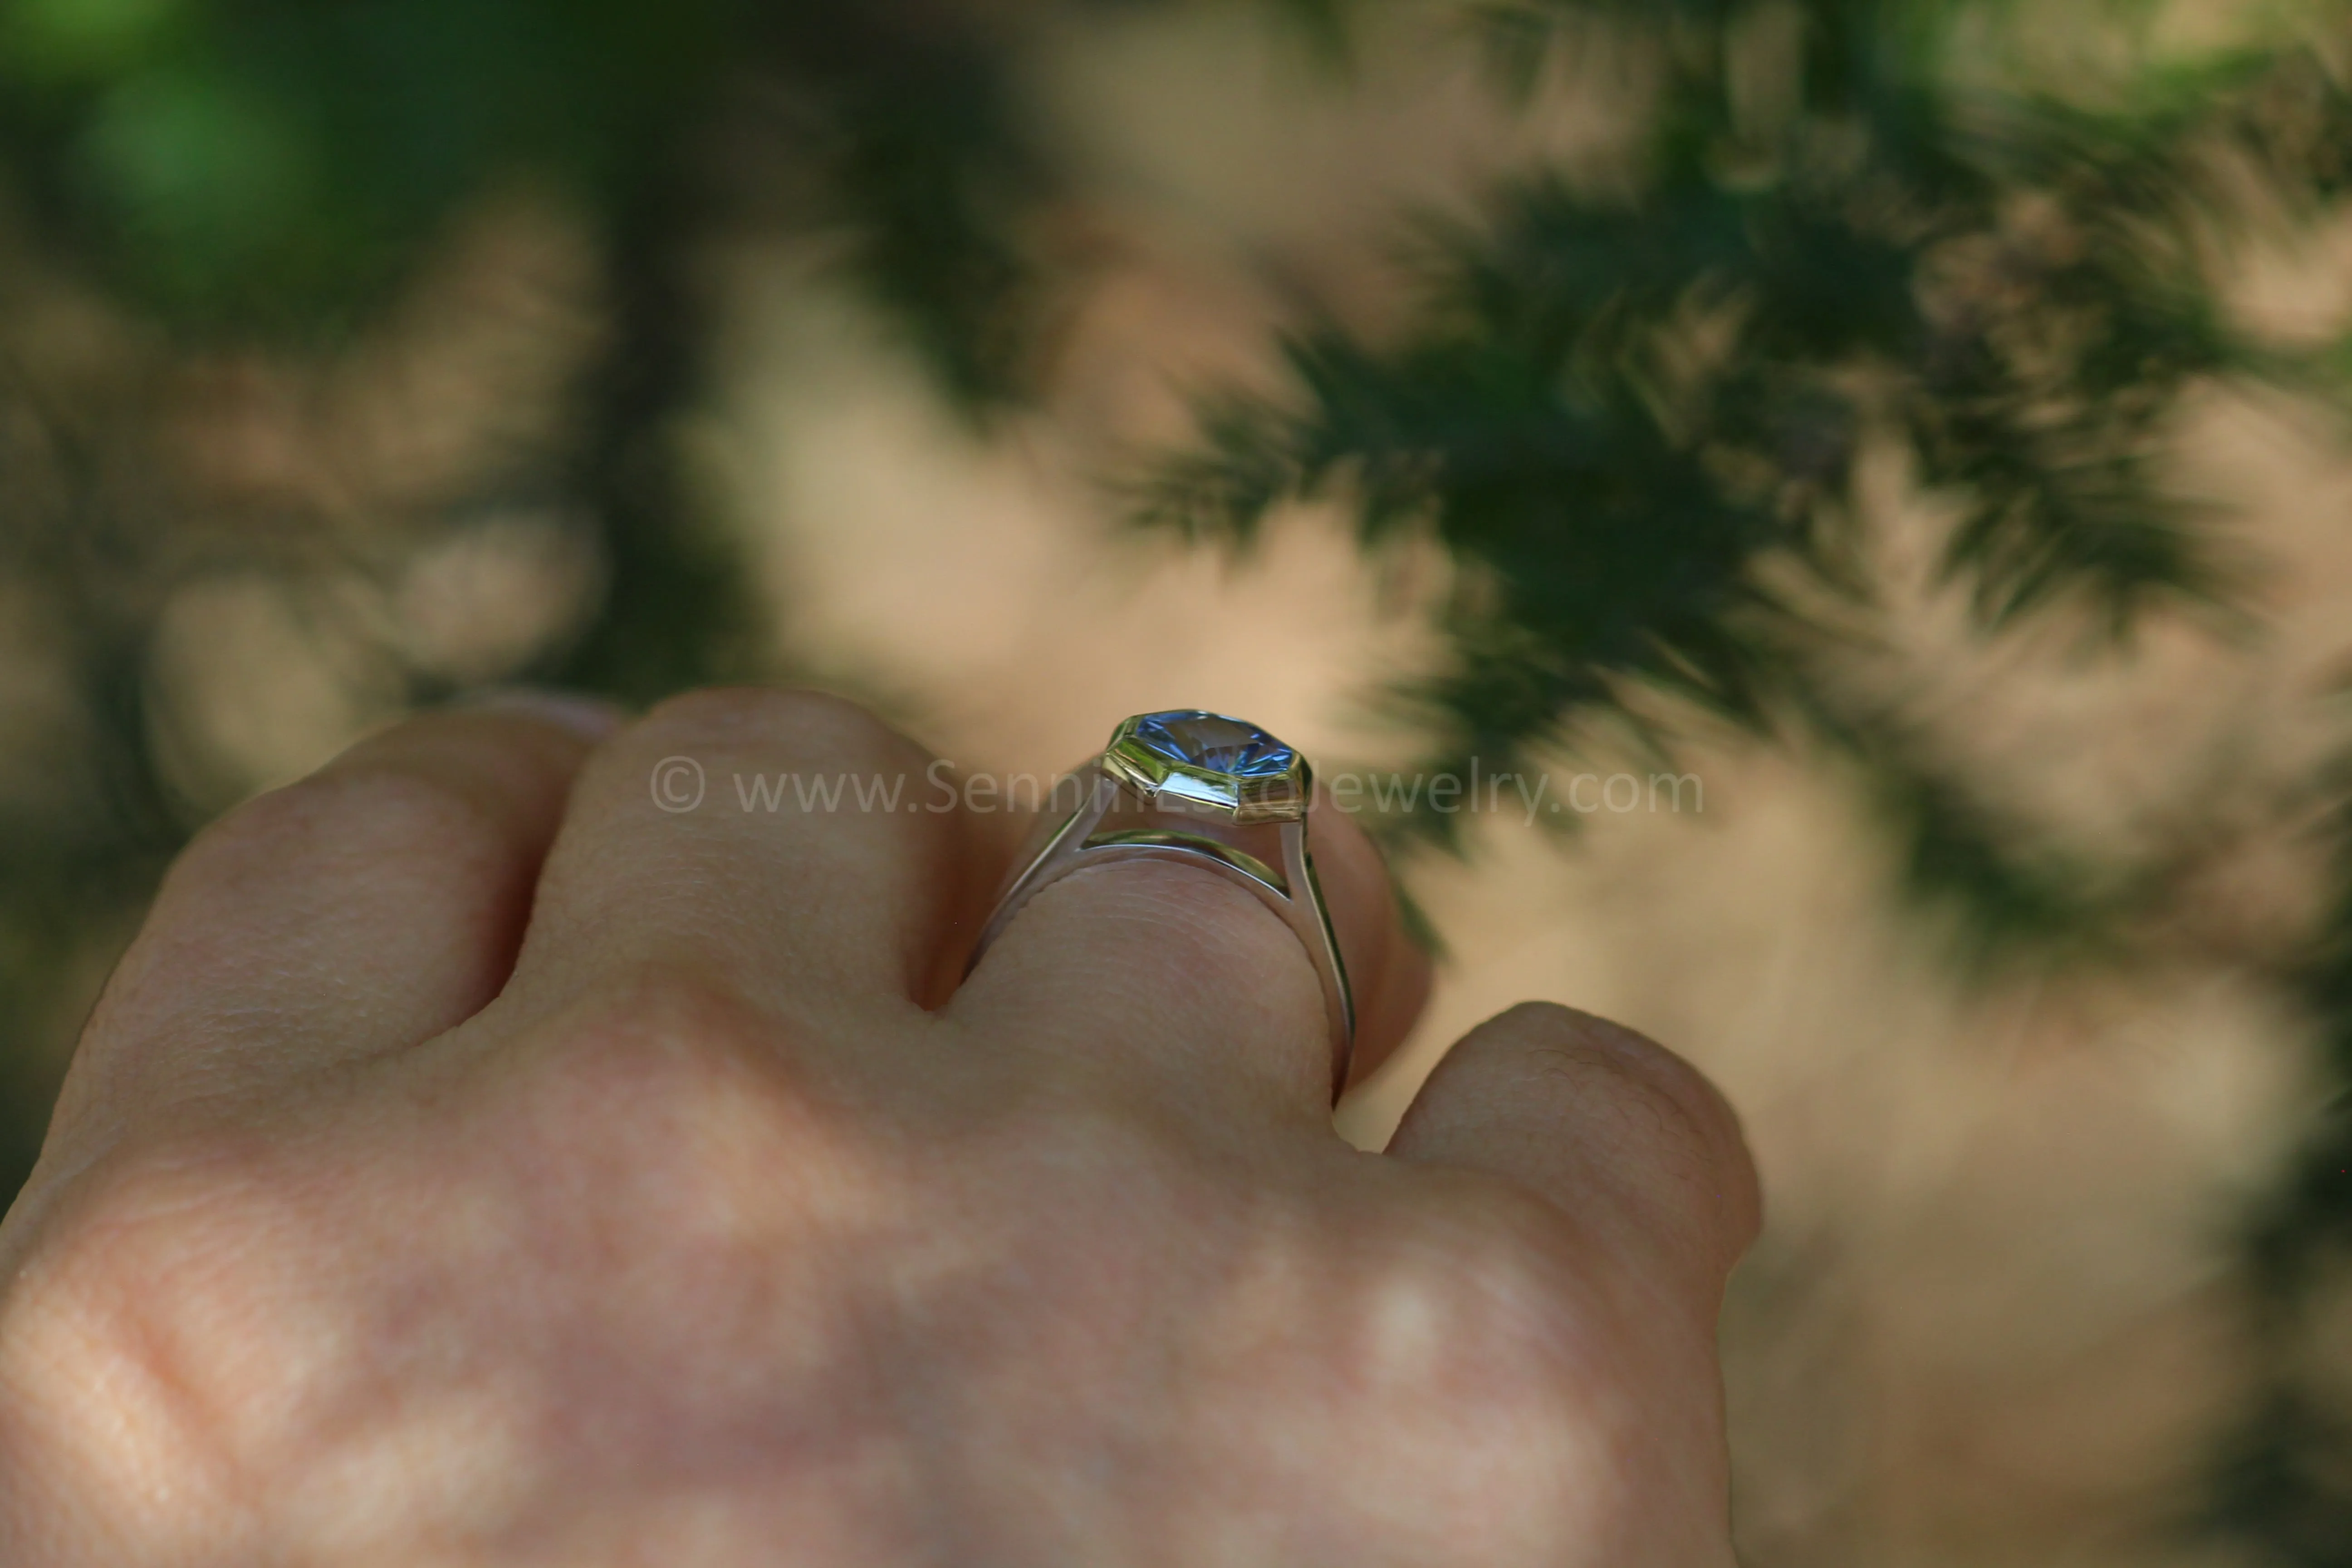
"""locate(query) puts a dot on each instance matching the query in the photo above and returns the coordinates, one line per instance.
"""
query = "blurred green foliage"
(1630, 414)
(2015, 286)
(270, 162)
(274, 165)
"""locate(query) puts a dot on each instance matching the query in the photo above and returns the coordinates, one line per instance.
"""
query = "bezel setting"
(1181, 784)
(1161, 760)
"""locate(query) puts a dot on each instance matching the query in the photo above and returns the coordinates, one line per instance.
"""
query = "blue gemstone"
(1212, 741)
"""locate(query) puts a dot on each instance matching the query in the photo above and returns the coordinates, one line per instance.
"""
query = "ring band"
(1216, 770)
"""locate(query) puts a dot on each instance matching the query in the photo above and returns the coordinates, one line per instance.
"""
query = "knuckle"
(662, 1086)
(1506, 1266)
(1680, 1093)
(1114, 1188)
(156, 1275)
(1147, 1151)
(1533, 1330)
(338, 813)
(1140, 1165)
(1469, 1299)
(1483, 1306)
(731, 718)
(1673, 1111)
(652, 1034)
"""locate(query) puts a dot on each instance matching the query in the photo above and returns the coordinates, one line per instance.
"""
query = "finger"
(366, 908)
(1636, 1147)
(1170, 972)
(785, 846)
(1387, 970)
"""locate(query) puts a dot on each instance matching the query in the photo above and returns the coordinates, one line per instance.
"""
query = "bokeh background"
(1928, 424)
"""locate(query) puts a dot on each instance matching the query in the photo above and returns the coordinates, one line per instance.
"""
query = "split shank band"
(1223, 779)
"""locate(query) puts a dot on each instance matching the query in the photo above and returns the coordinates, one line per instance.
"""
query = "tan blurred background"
(2000, 1314)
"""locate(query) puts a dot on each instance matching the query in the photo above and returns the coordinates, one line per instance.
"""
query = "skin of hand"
(473, 1162)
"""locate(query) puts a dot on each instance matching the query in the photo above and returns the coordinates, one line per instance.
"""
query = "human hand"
(471, 1164)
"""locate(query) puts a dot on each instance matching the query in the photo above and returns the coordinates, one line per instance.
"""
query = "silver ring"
(1218, 773)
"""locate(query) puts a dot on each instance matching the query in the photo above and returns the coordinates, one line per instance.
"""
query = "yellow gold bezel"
(1179, 786)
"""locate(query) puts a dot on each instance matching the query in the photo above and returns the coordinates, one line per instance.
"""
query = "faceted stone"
(1212, 741)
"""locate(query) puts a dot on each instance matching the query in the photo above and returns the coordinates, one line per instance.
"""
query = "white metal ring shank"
(1293, 895)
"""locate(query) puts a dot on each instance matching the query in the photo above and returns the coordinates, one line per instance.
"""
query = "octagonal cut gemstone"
(1197, 739)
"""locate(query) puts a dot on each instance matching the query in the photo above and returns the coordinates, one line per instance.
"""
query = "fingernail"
(590, 718)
